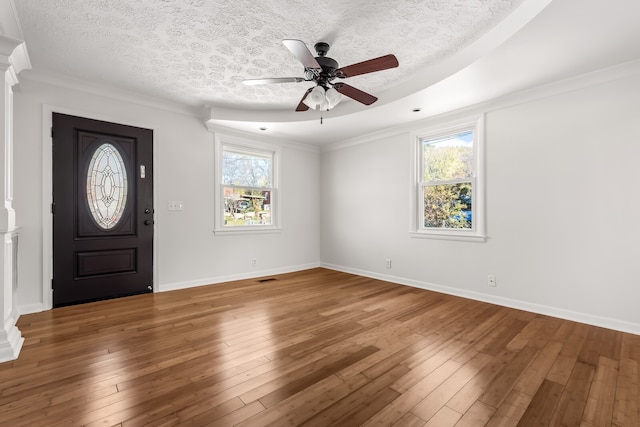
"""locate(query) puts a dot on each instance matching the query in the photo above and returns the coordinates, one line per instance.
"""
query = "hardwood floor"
(316, 348)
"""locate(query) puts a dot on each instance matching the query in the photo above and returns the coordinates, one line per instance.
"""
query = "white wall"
(562, 209)
(561, 204)
(187, 252)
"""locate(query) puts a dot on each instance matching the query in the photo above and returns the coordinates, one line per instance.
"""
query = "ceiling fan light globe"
(313, 105)
(317, 95)
(333, 97)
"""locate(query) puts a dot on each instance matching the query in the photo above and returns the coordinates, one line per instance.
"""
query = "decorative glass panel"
(107, 186)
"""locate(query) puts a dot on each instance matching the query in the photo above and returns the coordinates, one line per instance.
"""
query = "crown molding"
(112, 92)
(9, 22)
(13, 53)
(281, 142)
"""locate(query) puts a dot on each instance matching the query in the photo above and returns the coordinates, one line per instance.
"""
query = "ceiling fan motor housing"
(328, 73)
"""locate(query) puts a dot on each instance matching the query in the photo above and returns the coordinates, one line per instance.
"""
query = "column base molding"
(11, 340)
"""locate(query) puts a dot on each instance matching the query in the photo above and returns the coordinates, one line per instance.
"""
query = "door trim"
(47, 194)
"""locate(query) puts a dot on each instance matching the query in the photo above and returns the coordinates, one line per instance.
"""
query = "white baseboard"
(229, 278)
(30, 308)
(590, 319)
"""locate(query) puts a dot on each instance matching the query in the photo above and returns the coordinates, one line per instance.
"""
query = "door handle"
(148, 222)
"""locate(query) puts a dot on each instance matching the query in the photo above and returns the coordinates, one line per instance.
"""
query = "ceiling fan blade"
(251, 82)
(370, 66)
(302, 106)
(302, 52)
(355, 94)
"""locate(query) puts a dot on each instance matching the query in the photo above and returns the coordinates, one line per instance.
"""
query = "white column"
(13, 58)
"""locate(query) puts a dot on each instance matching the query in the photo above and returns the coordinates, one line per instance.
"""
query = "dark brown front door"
(102, 210)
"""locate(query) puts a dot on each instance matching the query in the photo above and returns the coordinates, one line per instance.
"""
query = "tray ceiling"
(197, 52)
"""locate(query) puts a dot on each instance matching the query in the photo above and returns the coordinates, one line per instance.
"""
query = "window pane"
(448, 206)
(448, 158)
(246, 168)
(244, 206)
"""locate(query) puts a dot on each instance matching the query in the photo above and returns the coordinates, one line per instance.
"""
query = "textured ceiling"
(197, 52)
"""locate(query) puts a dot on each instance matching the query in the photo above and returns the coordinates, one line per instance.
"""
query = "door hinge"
(51, 131)
(53, 208)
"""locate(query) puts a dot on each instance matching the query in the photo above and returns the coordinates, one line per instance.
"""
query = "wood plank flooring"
(316, 348)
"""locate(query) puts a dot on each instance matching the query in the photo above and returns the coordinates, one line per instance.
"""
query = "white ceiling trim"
(34, 76)
(593, 78)
(9, 22)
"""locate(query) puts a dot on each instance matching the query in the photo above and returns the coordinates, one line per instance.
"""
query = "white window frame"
(417, 229)
(222, 141)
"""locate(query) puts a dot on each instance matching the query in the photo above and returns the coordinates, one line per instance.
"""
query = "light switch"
(175, 205)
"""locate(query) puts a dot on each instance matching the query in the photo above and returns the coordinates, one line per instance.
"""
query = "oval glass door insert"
(107, 186)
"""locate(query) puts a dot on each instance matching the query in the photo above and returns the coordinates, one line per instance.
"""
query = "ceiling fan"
(323, 71)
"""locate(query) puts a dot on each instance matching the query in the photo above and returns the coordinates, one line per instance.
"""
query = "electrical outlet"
(175, 205)
(388, 263)
(254, 261)
(491, 280)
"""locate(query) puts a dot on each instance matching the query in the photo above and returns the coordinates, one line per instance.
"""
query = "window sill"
(448, 236)
(246, 230)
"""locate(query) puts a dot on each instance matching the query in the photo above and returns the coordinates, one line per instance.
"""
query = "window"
(247, 191)
(448, 196)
